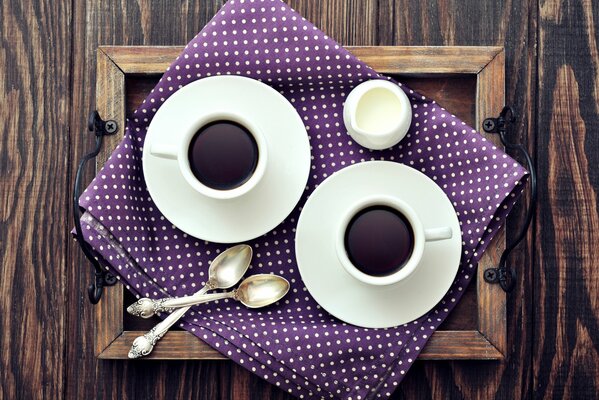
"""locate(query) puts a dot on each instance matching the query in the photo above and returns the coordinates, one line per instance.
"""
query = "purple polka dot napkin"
(295, 344)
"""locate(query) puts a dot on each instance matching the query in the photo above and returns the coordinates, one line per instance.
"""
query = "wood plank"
(110, 103)
(459, 345)
(142, 59)
(339, 17)
(566, 341)
(491, 298)
(174, 345)
(385, 59)
(426, 60)
(80, 366)
(34, 194)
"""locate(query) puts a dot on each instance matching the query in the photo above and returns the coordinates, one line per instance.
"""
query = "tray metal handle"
(102, 277)
(504, 274)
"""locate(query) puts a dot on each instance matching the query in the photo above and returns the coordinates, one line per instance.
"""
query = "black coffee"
(223, 155)
(379, 240)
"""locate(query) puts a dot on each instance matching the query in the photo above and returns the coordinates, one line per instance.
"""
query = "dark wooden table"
(47, 66)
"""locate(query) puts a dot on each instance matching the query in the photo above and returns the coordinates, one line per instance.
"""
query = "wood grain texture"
(491, 297)
(109, 80)
(566, 358)
(552, 314)
(183, 344)
(34, 87)
(457, 345)
(385, 59)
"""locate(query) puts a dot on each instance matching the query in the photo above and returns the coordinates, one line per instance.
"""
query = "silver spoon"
(254, 291)
(224, 272)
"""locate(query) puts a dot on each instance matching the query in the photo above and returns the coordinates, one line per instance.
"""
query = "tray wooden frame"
(487, 342)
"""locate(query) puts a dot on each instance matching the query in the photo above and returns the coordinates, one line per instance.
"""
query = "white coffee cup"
(179, 151)
(377, 114)
(420, 233)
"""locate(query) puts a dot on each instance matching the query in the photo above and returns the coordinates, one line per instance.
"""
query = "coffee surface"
(223, 155)
(379, 240)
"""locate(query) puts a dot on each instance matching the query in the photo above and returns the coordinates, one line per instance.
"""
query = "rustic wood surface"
(566, 280)
(47, 62)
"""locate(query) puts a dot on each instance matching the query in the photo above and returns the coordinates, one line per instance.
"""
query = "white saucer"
(343, 295)
(276, 194)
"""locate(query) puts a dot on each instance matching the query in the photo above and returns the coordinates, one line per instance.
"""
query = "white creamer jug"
(377, 114)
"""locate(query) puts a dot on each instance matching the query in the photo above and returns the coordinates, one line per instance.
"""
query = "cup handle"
(164, 150)
(436, 234)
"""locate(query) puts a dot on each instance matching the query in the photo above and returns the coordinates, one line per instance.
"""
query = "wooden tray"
(468, 81)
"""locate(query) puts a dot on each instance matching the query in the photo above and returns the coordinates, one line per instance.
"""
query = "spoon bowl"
(261, 290)
(228, 268)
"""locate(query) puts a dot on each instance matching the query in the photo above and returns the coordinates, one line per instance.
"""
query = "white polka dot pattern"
(295, 345)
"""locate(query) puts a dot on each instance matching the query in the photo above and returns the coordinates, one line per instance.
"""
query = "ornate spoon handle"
(146, 308)
(143, 345)
(189, 301)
